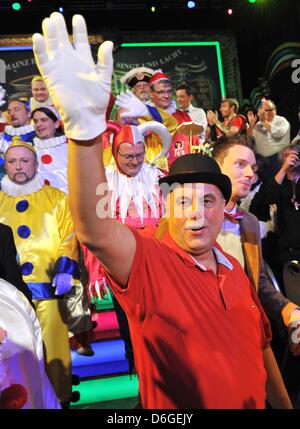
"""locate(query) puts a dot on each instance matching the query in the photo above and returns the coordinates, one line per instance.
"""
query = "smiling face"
(45, 127)
(39, 91)
(183, 99)
(161, 94)
(131, 158)
(240, 166)
(195, 213)
(18, 114)
(226, 110)
(20, 164)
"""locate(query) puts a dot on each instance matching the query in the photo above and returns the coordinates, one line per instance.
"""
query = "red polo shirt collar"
(187, 258)
(168, 240)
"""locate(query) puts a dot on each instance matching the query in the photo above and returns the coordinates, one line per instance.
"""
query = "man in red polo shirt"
(198, 331)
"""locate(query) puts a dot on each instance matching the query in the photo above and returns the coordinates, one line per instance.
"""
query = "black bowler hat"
(198, 168)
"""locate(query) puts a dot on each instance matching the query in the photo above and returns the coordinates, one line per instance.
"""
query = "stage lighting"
(61, 9)
(251, 1)
(154, 6)
(229, 11)
(191, 4)
(16, 6)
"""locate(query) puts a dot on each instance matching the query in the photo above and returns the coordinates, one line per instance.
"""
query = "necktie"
(234, 217)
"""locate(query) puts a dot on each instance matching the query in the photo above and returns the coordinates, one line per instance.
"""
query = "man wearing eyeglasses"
(271, 133)
(160, 108)
(161, 92)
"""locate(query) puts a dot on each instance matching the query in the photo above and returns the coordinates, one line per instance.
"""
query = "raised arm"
(80, 90)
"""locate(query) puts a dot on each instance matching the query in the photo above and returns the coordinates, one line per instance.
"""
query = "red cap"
(157, 77)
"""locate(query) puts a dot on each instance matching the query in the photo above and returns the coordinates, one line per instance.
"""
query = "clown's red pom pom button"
(46, 159)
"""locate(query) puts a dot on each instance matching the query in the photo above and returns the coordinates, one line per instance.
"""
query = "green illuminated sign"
(161, 44)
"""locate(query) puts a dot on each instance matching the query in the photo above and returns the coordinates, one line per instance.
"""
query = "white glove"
(134, 107)
(79, 88)
(2, 95)
(62, 282)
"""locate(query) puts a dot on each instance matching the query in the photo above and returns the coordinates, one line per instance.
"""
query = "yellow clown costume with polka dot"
(44, 235)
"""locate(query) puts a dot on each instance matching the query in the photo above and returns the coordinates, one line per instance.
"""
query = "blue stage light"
(191, 4)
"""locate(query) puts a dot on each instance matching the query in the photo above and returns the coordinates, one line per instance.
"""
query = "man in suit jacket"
(240, 234)
(9, 268)
(240, 237)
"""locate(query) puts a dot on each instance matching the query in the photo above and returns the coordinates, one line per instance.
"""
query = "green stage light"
(107, 389)
(252, 1)
(16, 6)
(216, 44)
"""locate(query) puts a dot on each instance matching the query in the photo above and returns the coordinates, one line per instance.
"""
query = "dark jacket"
(288, 218)
(274, 303)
